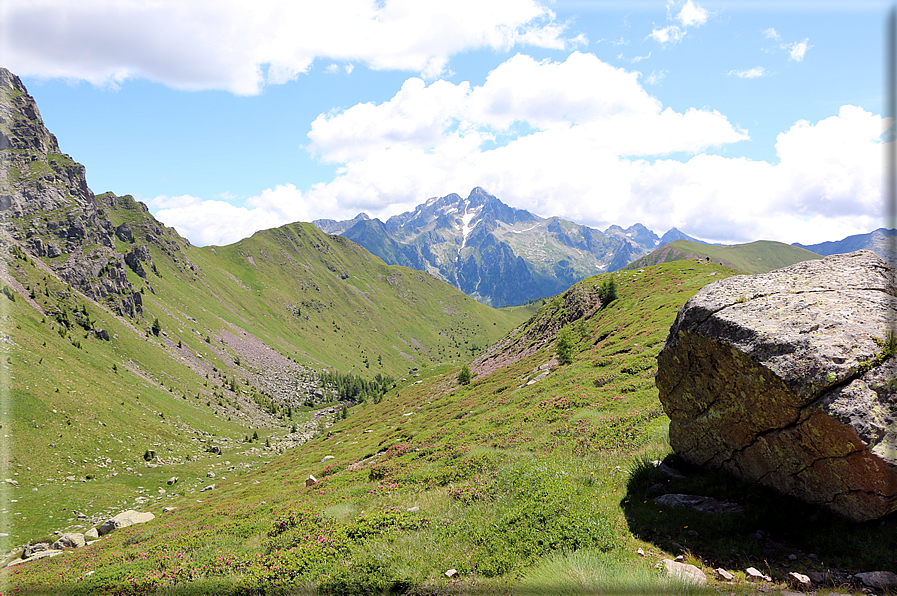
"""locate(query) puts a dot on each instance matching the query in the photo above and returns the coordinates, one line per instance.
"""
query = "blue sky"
(732, 121)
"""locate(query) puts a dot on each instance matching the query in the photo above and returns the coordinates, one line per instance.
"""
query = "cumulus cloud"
(240, 47)
(751, 73)
(798, 49)
(670, 34)
(584, 157)
(690, 15)
(580, 96)
(580, 139)
(219, 222)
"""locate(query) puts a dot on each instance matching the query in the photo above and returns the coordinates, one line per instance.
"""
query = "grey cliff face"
(47, 208)
(782, 378)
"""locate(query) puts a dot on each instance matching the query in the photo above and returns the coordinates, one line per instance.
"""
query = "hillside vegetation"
(529, 461)
(754, 257)
(244, 333)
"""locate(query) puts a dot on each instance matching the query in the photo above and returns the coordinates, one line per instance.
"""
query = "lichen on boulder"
(786, 379)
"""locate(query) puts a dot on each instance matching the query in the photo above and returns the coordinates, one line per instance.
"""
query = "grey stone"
(70, 540)
(699, 503)
(39, 555)
(781, 378)
(799, 580)
(880, 580)
(32, 549)
(123, 520)
(172, 481)
(209, 487)
(451, 573)
(723, 575)
(310, 481)
(754, 575)
(684, 572)
(91, 534)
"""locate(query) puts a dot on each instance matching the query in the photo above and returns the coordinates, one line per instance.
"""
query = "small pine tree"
(464, 375)
(607, 291)
(267, 444)
(157, 327)
(564, 346)
(255, 435)
(345, 412)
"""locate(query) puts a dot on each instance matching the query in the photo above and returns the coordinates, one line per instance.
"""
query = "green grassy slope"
(322, 300)
(80, 411)
(531, 479)
(755, 257)
(504, 471)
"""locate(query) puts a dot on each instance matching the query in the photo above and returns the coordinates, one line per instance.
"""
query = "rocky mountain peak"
(21, 126)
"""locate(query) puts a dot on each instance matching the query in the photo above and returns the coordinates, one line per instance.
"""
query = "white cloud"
(772, 34)
(798, 49)
(581, 95)
(240, 46)
(640, 58)
(581, 157)
(207, 222)
(571, 139)
(656, 76)
(670, 34)
(692, 14)
(751, 73)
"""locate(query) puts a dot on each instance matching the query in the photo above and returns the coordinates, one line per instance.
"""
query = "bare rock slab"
(699, 503)
(123, 520)
(782, 378)
(69, 540)
(685, 572)
(880, 580)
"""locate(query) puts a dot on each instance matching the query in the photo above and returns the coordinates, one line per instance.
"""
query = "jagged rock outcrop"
(46, 205)
(784, 378)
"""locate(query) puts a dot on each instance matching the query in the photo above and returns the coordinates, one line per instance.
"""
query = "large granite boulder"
(123, 520)
(784, 378)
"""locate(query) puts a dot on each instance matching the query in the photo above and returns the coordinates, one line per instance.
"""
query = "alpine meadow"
(457, 396)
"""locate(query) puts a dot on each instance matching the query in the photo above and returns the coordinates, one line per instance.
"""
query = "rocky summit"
(788, 379)
(495, 253)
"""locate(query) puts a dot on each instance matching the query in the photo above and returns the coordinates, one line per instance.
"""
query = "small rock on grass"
(799, 580)
(451, 573)
(880, 580)
(685, 572)
(69, 540)
(754, 575)
(723, 575)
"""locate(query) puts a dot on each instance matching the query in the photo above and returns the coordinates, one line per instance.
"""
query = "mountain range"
(495, 253)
